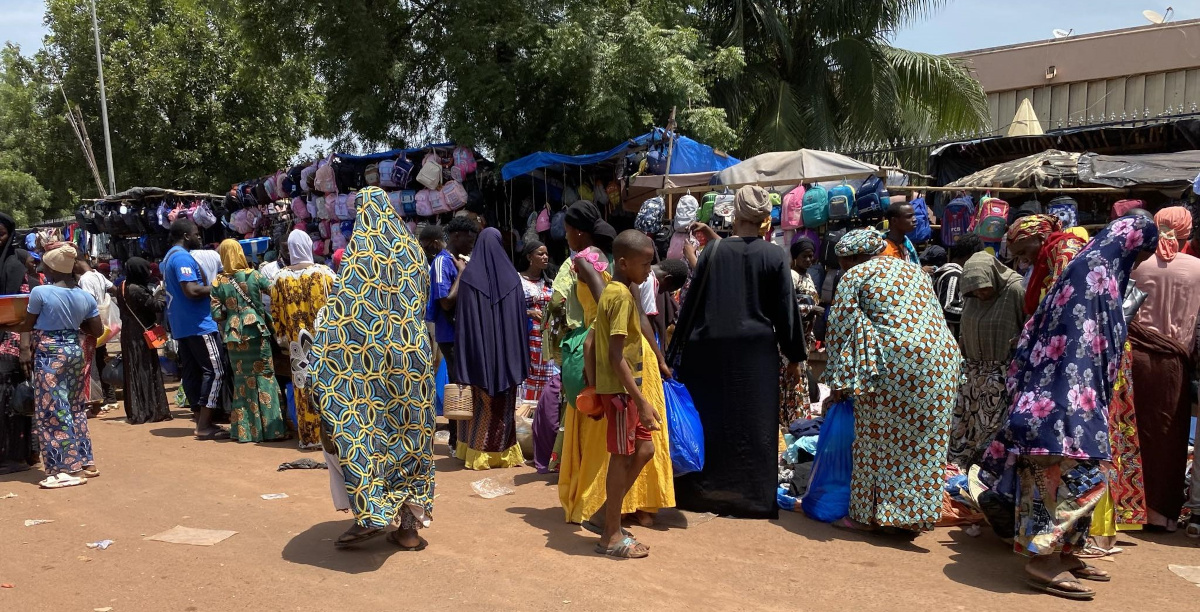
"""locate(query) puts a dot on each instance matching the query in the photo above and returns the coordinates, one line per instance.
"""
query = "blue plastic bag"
(439, 385)
(683, 427)
(828, 496)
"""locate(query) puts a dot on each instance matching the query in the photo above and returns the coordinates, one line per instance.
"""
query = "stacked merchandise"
(135, 223)
(320, 196)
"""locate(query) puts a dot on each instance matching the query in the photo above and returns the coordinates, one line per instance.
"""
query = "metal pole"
(112, 184)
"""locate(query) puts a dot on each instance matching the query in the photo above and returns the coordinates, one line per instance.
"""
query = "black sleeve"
(789, 331)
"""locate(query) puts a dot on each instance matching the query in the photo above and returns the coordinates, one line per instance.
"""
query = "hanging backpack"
(372, 174)
(1065, 208)
(722, 215)
(776, 207)
(464, 160)
(992, 220)
(792, 215)
(325, 180)
(650, 215)
(841, 203)
(599, 194)
(558, 225)
(455, 194)
(430, 175)
(828, 253)
(922, 232)
(408, 202)
(957, 219)
(707, 201)
(815, 212)
(1030, 207)
(872, 200)
(423, 206)
(685, 213)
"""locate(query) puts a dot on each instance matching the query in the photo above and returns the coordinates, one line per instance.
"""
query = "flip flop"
(60, 480)
(1088, 572)
(1052, 588)
(90, 472)
(1092, 551)
(394, 538)
(1193, 529)
(212, 436)
(357, 538)
(626, 548)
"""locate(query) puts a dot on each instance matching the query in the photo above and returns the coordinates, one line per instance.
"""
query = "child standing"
(631, 419)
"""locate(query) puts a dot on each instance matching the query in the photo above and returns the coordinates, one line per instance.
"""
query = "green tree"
(821, 74)
(23, 142)
(189, 107)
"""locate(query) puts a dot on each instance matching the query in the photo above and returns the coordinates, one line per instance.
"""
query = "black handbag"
(22, 399)
(114, 373)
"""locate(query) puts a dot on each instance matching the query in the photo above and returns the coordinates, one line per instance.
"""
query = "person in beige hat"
(741, 303)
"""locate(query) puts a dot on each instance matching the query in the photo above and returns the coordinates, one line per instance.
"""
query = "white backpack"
(685, 212)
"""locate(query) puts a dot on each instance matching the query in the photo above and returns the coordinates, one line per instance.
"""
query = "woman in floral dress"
(1048, 457)
(794, 396)
(298, 293)
(245, 327)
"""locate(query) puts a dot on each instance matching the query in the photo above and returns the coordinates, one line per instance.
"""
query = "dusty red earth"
(509, 553)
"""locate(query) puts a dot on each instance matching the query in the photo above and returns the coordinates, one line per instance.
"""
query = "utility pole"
(112, 184)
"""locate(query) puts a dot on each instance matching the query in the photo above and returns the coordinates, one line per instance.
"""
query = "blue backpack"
(958, 219)
(841, 203)
(922, 232)
(872, 200)
(816, 207)
(1065, 208)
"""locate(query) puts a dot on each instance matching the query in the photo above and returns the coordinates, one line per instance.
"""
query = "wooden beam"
(1019, 189)
(774, 183)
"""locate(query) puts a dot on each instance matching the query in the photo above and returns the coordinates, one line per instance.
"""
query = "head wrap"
(585, 217)
(300, 247)
(934, 255)
(984, 270)
(137, 271)
(1080, 232)
(103, 268)
(860, 242)
(752, 203)
(1122, 207)
(60, 257)
(491, 327)
(531, 247)
(337, 258)
(1174, 226)
(233, 258)
(802, 244)
(1034, 226)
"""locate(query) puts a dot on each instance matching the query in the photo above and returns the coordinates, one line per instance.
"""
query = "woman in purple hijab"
(491, 354)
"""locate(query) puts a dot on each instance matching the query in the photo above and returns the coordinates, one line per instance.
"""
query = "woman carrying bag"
(145, 394)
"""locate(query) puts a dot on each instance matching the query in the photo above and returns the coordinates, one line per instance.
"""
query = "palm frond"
(953, 99)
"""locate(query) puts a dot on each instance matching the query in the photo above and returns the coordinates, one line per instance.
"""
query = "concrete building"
(1136, 73)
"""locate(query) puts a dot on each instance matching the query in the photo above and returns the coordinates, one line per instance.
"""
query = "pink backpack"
(464, 159)
(306, 178)
(437, 202)
(792, 216)
(455, 195)
(343, 210)
(299, 208)
(424, 205)
(325, 180)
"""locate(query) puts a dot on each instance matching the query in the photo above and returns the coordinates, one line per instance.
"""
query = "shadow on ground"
(985, 562)
(564, 537)
(315, 547)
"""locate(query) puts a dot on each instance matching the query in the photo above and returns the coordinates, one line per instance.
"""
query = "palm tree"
(822, 74)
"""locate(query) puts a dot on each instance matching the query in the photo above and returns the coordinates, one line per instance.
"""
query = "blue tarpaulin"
(688, 156)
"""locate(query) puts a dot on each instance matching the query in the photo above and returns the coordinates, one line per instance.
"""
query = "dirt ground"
(509, 553)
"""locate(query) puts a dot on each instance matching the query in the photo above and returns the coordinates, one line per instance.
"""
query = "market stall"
(135, 222)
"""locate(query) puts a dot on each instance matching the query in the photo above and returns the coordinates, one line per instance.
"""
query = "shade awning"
(1167, 170)
(1046, 170)
(687, 156)
(796, 166)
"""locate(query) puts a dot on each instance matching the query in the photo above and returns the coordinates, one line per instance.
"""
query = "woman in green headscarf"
(992, 317)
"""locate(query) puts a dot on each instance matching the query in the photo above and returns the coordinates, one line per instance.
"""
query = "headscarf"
(1079, 232)
(372, 376)
(531, 247)
(585, 217)
(138, 271)
(492, 343)
(934, 255)
(860, 242)
(60, 257)
(300, 247)
(233, 258)
(1122, 207)
(1034, 226)
(752, 203)
(806, 244)
(337, 258)
(1062, 375)
(12, 269)
(988, 327)
(1174, 226)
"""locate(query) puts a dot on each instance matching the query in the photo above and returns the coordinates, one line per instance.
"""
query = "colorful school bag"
(776, 208)
(922, 231)
(992, 220)
(707, 201)
(841, 203)
(792, 215)
(1065, 208)
(649, 216)
(815, 211)
(872, 200)
(957, 219)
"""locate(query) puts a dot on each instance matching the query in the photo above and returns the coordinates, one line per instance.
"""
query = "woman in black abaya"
(739, 315)
(145, 395)
(15, 429)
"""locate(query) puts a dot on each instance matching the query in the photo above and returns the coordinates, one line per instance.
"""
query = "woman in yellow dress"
(297, 295)
(584, 456)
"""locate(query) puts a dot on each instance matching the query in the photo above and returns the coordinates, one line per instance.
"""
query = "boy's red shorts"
(624, 426)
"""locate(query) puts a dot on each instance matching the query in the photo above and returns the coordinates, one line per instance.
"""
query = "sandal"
(1055, 587)
(353, 539)
(394, 538)
(60, 480)
(1093, 551)
(90, 471)
(1088, 572)
(1193, 529)
(598, 530)
(211, 436)
(626, 548)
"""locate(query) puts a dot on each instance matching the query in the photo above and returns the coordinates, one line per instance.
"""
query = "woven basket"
(456, 404)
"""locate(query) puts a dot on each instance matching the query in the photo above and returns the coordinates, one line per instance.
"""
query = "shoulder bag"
(156, 336)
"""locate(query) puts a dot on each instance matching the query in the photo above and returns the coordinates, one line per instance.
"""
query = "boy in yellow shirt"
(618, 351)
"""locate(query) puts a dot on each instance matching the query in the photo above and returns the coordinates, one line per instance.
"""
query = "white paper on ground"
(189, 535)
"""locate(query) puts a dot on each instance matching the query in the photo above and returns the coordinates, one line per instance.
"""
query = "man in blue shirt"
(190, 316)
(447, 251)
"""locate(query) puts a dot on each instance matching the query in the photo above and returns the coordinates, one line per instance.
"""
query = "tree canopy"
(203, 93)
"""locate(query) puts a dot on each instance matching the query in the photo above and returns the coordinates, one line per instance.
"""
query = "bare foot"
(643, 518)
